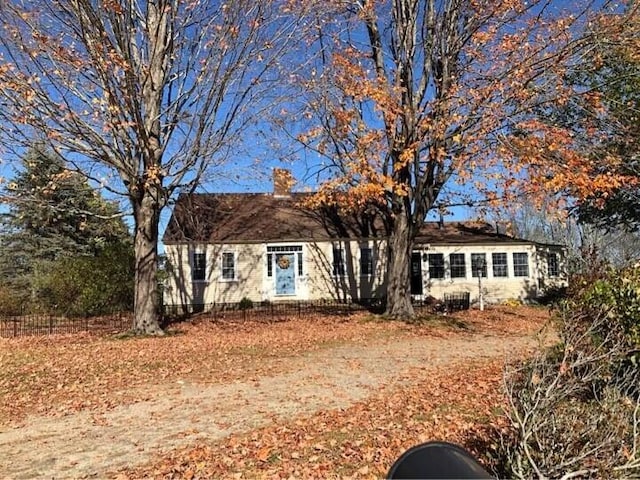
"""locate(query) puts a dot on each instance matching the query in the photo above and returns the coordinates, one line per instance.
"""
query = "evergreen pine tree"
(53, 213)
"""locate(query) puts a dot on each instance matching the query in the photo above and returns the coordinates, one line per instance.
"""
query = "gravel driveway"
(91, 445)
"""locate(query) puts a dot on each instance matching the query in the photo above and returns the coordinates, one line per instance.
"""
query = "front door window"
(285, 274)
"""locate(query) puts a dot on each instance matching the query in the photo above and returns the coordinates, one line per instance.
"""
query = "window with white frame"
(553, 265)
(269, 264)
(366, 261)
(457, 265)
(436, 265)
(338, 262)
(478, 265)
(499, 261)
(297, 249)
(228, 266)
(199, 267)
(521, 264)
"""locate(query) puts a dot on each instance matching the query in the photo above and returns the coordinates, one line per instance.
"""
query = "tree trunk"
(146, 309)
(399, 305)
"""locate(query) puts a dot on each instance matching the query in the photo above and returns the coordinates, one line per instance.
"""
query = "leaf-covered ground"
(460, 404)
(322, 396)
(59, 375)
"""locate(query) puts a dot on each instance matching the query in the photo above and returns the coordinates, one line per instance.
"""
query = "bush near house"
(90, 285)
(574, 409)
(11, 301)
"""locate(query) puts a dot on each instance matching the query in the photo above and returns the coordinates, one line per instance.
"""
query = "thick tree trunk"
(146, 309)
(399, 305)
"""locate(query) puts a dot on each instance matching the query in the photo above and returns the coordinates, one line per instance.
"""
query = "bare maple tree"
(414, 94)
(143, 96)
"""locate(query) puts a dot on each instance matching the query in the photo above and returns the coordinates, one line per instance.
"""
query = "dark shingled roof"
(463, 233)
(239, 217)
(261, 217)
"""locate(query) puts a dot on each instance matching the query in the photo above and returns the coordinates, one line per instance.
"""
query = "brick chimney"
(503, 228)
(282, 182)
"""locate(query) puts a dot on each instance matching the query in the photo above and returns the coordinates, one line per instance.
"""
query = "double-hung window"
(199, 267)
(553, 265)
(436, 265)
(338, 262)
(366, 262)
(499, 265)
(521, 264)
(228, 266)
(478, 265)
(457, 265)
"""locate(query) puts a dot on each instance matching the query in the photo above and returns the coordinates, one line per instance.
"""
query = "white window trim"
(486, 265)
(558, 270)
(193, 265)
(444, 268)
(491, 266)
(268, 265)
(301, 248)
(235, 267)
(513, 259)
(333, 263)
(373, 262)
(466, 268)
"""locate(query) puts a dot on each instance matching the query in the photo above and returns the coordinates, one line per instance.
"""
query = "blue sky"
(249, 169)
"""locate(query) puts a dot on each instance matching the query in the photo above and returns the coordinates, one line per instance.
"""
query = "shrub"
(574, 409)
(11, 300)
(512, 302)
(617, 295)
(245, 304)
(90, 285)
(552, 296)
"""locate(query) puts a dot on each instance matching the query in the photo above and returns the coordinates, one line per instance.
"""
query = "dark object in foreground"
(437, 460)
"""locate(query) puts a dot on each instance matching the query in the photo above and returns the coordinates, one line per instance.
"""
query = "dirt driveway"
(90, 445)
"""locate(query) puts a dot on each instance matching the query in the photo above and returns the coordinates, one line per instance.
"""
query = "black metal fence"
(49, 324)
(267, 311)
(17, 325)
(456, 301)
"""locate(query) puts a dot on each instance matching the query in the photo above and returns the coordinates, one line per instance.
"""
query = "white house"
(222, 248)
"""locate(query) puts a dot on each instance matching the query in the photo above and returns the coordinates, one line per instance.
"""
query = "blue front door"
(285, 274)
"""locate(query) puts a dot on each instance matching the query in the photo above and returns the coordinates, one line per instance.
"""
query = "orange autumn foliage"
(402, 121)
(414, 96)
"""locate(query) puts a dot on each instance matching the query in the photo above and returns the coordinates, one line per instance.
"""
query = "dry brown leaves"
(62, 374)
(459, 405)
(59, 375)
(508, 320)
